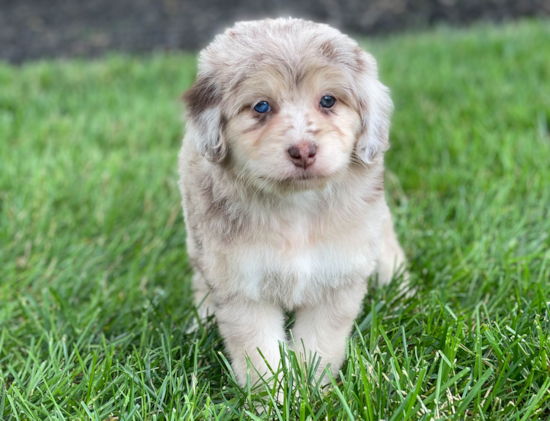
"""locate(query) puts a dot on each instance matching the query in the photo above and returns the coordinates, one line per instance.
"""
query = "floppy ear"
(375, 109)
(204, 114)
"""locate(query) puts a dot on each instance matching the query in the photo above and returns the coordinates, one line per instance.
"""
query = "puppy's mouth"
(303, 179)
(293, 178)
(303, 175)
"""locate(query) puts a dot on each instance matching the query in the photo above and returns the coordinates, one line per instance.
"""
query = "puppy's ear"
(203, 101)
(375, 109)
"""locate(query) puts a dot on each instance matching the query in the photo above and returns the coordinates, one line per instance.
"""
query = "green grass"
(94, 279)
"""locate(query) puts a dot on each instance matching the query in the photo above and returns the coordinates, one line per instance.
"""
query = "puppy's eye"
(262, 107)
(327, 101)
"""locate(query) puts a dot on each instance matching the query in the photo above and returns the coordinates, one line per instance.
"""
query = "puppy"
(282, 179)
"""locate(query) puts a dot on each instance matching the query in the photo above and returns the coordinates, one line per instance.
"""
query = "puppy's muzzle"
(303, 154)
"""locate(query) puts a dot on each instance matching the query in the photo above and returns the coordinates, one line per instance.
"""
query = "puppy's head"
(287, 102)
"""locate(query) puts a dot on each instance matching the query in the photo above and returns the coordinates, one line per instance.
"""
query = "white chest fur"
(297, 256)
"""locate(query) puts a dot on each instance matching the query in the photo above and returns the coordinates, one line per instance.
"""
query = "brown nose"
(302, 154)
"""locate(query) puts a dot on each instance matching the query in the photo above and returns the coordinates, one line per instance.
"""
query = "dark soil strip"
(31, 29)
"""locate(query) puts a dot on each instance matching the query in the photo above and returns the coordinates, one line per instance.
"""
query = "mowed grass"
(94, 279)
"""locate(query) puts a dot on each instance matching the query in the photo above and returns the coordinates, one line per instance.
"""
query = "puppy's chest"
(295, 260)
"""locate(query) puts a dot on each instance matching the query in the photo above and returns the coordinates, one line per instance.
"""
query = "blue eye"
(262, 107)
(327, 101)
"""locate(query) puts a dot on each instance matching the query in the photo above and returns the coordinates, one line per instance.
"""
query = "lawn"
(95, 283)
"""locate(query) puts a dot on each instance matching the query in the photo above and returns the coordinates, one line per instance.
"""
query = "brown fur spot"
(328, 49)
(261, 121)
(379, 186)
(238, 83)
(222, 219)
(264, 118)
(327, 111)
(197, 240)
(299, 76)
(202, 95)
(377, 189)
(223, 123)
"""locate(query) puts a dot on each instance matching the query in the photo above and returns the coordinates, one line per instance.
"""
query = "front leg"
(322, 330)
(247, 326)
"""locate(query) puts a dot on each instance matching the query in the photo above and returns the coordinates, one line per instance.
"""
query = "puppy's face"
(287, 104)
(292, 132)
